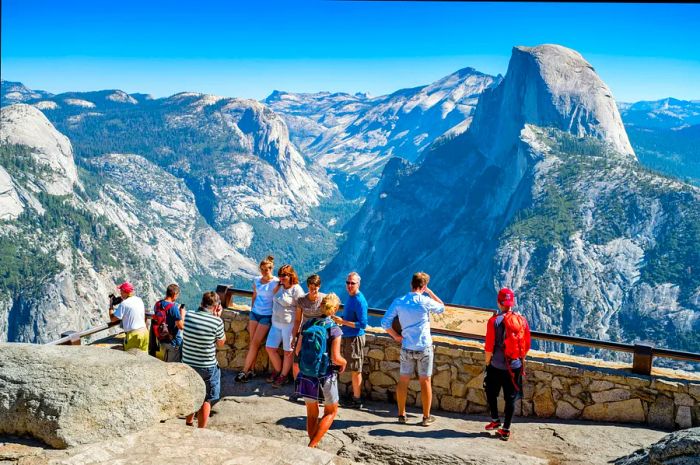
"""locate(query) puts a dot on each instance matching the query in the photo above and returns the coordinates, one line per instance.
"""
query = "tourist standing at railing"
(204, 332)
(308, 307)
(319, 368)
(260, 316)
(354, 322)
(284, 304)
(413, 311)
(132, 313)
(167, 325)
(507, 344)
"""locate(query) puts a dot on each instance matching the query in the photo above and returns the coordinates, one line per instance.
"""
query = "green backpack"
(314, 360)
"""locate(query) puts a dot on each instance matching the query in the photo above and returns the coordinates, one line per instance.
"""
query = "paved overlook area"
(257, 424)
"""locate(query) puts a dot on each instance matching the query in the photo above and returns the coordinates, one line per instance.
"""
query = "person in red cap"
(507, 343)
(132, 313)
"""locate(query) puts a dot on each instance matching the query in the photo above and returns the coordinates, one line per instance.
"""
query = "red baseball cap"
(506, 297)
(126, 287)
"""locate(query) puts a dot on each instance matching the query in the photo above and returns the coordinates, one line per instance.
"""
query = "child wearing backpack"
(320, 362)
(507, 344)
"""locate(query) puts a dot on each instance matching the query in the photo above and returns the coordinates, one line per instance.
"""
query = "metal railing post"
(642, 359)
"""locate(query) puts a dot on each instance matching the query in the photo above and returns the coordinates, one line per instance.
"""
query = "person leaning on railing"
(132, 314)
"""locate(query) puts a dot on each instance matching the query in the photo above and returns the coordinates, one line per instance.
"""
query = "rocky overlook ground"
(257, 424)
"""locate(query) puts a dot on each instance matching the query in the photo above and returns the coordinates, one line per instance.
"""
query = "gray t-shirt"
(309, 308)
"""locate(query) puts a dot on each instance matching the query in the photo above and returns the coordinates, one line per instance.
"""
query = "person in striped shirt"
(204, 332)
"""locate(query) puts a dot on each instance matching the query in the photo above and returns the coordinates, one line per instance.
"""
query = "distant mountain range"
(528, 180)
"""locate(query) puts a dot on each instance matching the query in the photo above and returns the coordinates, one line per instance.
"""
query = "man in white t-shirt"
(132, 314)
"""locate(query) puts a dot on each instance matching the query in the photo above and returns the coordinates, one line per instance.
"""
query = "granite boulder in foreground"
(67, 396)
(678, 448)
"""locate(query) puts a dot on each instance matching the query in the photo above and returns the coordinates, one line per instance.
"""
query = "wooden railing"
(74, 338)
(642, 354)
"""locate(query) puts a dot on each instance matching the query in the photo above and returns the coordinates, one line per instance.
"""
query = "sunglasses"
(350, 283)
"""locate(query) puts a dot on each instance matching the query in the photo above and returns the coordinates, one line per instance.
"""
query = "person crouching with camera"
(131, 311)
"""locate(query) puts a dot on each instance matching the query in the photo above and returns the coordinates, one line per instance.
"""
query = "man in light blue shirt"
(413, 311)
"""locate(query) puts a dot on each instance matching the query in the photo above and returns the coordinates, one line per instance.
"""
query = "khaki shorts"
(352, 350)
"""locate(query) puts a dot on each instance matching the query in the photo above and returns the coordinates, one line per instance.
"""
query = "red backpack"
(160, 324)
(516, 337)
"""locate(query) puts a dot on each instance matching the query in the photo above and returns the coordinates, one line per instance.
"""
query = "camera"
(114, 300)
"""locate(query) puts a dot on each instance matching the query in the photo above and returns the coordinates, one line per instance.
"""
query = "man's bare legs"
(356, 384)
(402, 393)
(426, 394)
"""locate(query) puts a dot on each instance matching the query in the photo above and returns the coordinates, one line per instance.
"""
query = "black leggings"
(497, 379)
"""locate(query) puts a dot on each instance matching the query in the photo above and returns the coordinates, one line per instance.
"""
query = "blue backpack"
(314, 360)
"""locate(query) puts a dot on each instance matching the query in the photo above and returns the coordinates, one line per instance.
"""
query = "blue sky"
(248, 49)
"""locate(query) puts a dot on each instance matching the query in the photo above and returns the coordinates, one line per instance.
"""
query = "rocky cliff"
(70, 234)
(355, 135)
(543, 193)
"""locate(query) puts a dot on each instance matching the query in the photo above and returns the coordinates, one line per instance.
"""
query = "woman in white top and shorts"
(284, 303)
(260, 316)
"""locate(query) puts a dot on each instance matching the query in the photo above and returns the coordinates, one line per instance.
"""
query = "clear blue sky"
(248, 49)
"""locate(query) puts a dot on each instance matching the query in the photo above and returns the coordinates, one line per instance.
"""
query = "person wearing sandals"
(413, 311)
(319, 370)
(260, 316)
(284, 303)
(308, 307)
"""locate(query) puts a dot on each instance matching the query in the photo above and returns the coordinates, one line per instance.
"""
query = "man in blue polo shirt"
(353, 323)
(413, 311)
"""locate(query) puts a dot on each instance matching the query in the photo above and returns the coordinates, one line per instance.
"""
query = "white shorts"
(280, 333)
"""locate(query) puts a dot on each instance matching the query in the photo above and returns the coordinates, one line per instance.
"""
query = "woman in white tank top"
(260, 316)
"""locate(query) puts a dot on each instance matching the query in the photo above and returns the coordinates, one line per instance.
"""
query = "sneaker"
(240, 377)
(248, 376)
(272, 377)
(280, 381)
(354, 403)
(402, 419)
(493, 425)
(294, 397)
(427, 421)
(503, 434)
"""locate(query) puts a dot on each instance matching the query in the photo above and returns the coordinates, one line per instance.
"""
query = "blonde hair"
(330, 304)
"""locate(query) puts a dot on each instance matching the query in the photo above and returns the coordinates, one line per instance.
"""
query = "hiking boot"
(493, 425)
(280, 381)
(272, 377)
(402, 419)
(427, 421)
(503, 434)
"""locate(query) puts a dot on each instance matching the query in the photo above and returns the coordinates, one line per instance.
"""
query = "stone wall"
(556, 385)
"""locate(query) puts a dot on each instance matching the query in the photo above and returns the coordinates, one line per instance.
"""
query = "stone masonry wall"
(556, 385)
